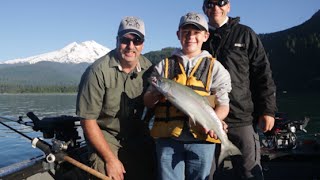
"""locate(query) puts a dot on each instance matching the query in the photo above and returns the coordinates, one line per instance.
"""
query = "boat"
(64, 158)
(288, 152)
(285, 152)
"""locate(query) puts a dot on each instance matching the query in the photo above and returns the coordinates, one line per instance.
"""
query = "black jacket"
(241, 52)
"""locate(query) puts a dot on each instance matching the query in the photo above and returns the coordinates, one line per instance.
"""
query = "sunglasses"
(136, 41)
(219, 3)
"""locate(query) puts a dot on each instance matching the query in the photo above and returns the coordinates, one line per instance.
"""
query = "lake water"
(15, 148)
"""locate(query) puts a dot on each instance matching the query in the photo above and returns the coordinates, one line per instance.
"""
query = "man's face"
(216, 13)
(130, 47)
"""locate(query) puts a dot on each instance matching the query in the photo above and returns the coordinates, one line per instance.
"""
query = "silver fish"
(197, 108)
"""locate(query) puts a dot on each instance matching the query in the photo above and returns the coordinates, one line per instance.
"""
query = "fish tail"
(227, 150)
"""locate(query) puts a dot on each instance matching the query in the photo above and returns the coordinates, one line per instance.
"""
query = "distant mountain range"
(85, 52)
(56, 71)
(294, 56)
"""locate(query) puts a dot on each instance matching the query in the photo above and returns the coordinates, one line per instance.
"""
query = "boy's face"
(191, 39)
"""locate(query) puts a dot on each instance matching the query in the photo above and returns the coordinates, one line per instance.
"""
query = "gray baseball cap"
(130, 24)
(196, 19)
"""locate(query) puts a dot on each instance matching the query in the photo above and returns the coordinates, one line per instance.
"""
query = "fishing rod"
(15, 130)
(47, 148)
(20, 121)
(36, 142)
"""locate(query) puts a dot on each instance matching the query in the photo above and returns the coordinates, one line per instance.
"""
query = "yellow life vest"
(169, 121)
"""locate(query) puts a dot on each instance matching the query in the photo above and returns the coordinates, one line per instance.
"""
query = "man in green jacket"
(110, 103)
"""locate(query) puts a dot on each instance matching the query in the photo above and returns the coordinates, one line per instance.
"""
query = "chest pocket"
(120, 84)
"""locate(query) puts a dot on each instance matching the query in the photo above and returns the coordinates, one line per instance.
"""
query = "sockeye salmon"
(197, 108)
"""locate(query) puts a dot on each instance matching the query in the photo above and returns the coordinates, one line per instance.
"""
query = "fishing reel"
(62, 130)
(284, 133)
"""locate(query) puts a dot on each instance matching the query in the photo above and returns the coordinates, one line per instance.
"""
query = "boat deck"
(301, 163)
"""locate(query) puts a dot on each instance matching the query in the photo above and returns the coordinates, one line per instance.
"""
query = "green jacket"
(112, 97)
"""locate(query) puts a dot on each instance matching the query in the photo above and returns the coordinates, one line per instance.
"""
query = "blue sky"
(32, 27)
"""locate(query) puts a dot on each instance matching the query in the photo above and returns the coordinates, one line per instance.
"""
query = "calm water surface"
(15, 148)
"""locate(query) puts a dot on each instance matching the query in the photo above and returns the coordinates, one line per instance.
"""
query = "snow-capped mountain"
(75, 53)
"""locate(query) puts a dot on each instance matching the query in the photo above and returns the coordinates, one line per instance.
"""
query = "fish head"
(162, 84)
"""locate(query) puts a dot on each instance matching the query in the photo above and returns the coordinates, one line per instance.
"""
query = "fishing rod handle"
(42, 145)
(45, 147)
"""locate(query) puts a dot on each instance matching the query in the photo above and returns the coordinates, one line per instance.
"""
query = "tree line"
(18, 88)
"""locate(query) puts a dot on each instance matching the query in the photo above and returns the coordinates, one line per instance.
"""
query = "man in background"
(252, 98)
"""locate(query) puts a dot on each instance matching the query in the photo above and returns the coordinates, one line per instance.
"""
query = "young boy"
(185, 151)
